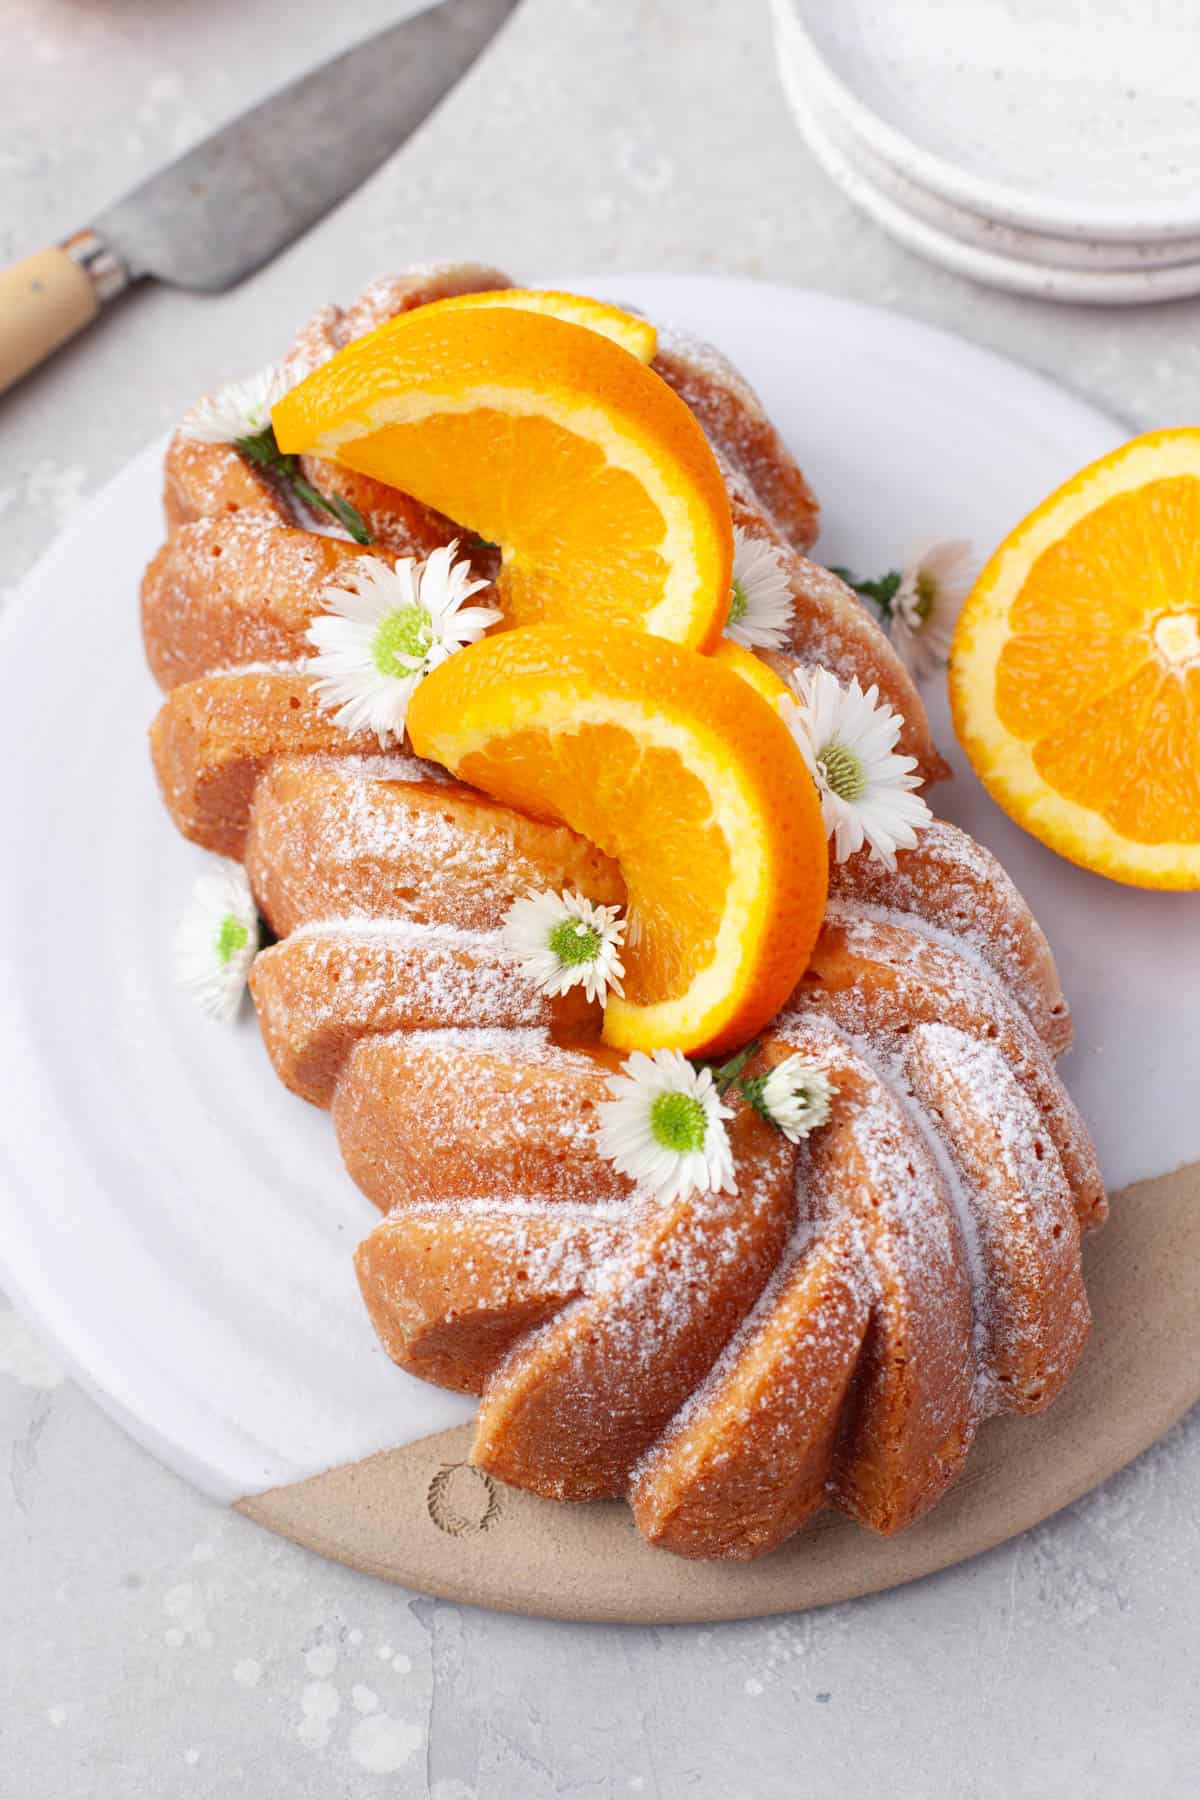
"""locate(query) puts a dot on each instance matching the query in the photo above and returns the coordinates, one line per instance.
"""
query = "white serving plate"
(969, 244)
(1054, 117)
(179, 1223)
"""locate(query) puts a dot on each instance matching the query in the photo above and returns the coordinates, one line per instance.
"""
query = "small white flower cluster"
(240, 409)
(848, 737)
(665, 1124)
(564, 940)
(922, 611)
(217, 940)
(665, 1127)
(926, 605)
(386, 630)
(848, 740)
(921, 602)
(760, 603)
(795, 1095)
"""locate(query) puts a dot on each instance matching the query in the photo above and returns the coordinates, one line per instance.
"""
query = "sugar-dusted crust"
(571, 1410)
(329, 985)
(329, 839)
(211, 481)
(733, 417)
(879, 979)
(950, 884)
(1022, 1212)
(747, 1461)
(523, 1264)
(223, 593)
(831, 1333)
(475, 1111)
(214, 738)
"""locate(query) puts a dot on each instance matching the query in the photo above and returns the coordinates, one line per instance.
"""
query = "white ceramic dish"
(1052, 117)
(1103, 255)
(918, 219)
(178, 1222)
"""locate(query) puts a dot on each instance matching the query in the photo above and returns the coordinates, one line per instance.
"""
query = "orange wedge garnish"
(676, 768)
(632, 333)
(1075, 669)
(753, 669)
(547, 439)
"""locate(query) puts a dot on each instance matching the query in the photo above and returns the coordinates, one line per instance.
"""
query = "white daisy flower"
(927, 603)
(382, 635)
(217, 940)
(240, 409)
(795, 1095)
(564, 941)
(848, 739)
(760, 605)
(665, 1127)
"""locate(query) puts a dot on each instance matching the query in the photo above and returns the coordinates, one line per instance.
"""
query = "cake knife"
(236, 199)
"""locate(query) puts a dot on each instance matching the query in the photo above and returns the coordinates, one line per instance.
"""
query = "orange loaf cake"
(830, 1334)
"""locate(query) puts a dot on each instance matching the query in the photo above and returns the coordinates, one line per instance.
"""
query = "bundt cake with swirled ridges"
(831, 1334)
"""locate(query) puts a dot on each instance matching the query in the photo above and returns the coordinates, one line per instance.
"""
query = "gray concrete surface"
(152, 1645)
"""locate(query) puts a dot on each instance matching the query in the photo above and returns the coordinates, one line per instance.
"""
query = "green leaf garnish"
(880, 592)
(262, 450)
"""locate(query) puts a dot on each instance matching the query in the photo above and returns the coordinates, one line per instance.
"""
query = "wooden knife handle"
(44, 300)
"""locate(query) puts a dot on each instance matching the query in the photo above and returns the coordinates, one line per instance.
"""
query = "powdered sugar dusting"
(878, 979)
(370, 838)
(953, 889)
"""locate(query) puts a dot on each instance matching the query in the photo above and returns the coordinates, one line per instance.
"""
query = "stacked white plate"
(1049, 148)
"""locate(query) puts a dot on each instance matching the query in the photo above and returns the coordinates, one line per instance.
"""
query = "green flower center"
(232, 936)
(401, 642)
(573, 943)
(925, 588)
(738, 603)
(843, 771)
(679, 1122)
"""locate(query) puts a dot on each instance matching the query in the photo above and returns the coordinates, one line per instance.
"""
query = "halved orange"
(632, 333)
(676, 768)
(547, 439)
(1075, 668)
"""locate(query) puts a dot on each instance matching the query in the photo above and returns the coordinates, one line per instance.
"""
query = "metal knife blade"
(234, 201)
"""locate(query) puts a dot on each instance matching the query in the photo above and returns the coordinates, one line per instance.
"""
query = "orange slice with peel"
(1075, 668)
(753, 669)
(547, 439)
(637, 335)
(676, 768)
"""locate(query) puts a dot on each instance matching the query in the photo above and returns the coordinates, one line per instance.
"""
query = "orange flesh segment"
(1110, 723)
(546, 438)
(1042, 680)
(1120, 565)
(1131, 755)
(1160, 797)
(578, 553)
(673, 857)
